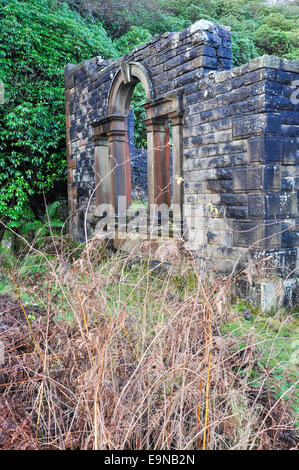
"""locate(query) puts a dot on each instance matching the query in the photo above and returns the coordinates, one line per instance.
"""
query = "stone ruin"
(234, 145)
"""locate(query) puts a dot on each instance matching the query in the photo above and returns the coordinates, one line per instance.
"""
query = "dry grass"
(123, 355)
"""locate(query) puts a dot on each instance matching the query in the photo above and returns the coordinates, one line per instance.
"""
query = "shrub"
(133, 38)
(38, 38)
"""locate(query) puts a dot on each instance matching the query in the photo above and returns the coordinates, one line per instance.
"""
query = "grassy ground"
(114, 352)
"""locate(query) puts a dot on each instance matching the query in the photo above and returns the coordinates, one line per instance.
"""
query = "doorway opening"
(140, 151)
(137, 138)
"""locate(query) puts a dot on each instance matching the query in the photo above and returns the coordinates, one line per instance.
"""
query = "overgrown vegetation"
(105, 351)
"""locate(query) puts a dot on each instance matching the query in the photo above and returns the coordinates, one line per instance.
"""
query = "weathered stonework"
(235, 141)
(138, 164)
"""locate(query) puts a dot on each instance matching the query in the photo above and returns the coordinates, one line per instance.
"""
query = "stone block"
(256, 178)
(237, 212)
(222, 186)
(224, 52)
(272, 178)
(256, 206)
(264, 149)
(248, 179)
(272, 205)
(234, 199)
(257, 124)
(289, 151)
(257, 234)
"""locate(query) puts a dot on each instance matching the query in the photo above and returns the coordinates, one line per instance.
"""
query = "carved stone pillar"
(158, 156)
(177, 171)
(177, 157)
(102, 170)
(113, 160)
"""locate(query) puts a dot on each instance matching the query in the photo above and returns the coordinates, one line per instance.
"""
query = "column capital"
(100, 140)
(110, 123)
(156, 124)
(176, 118)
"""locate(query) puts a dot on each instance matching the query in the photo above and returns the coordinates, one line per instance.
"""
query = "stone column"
(102, 170)
(159, 188)
(177, 156)
(158, 157)
(177, 171)
(120, 162)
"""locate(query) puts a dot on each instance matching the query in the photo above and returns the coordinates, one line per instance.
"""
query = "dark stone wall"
(241, 155)
(240, 142)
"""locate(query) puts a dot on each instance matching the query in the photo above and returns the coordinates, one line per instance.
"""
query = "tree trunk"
(2, 229)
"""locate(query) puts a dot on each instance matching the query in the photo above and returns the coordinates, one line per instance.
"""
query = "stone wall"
(240, 141)
(241, 156)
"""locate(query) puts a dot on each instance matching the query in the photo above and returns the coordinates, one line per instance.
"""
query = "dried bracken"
(117, 377)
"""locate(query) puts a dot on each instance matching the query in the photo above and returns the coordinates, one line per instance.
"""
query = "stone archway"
(112, 155)
(123, 85)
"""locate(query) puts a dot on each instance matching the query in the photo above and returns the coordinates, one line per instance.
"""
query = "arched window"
(164, 146)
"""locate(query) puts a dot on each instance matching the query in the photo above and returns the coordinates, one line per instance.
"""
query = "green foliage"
(257, 27)
(279, 35)
(38, 38)
(158, 22)
(119, 15)
(276, 339)
(7, 260)
(133, 38)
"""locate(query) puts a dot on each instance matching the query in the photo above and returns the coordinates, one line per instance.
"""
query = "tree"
(38, 37)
